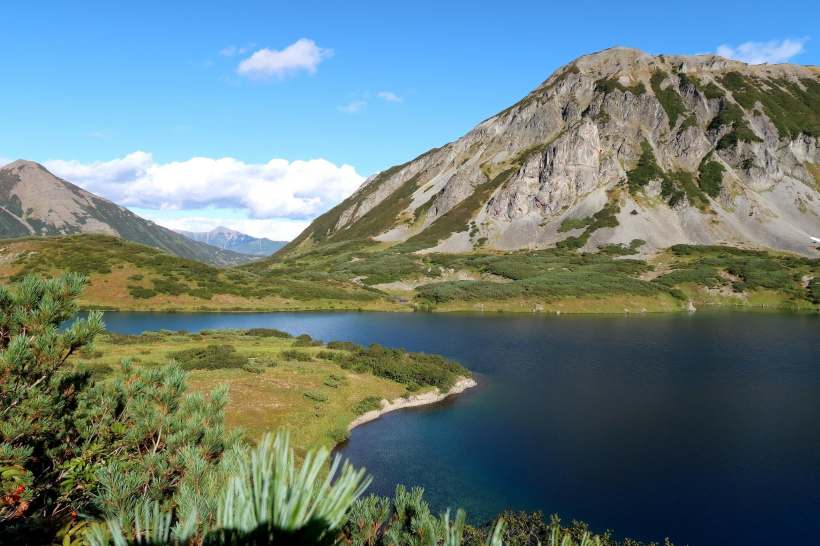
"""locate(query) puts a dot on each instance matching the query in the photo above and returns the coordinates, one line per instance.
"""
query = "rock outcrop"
(576, 144)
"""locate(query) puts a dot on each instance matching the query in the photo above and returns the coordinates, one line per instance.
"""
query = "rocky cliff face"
(35, 202)
(615, 146)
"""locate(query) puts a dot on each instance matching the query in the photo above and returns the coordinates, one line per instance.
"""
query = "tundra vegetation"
(137, 456)
(363, 274)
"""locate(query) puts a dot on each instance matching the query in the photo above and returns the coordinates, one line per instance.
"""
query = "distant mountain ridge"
(618, 147)
(230, 239)
(35, 202)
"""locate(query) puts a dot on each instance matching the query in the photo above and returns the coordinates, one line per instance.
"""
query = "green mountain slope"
(35, 202)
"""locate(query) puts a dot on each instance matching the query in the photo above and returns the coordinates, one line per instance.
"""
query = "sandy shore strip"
(431, 397)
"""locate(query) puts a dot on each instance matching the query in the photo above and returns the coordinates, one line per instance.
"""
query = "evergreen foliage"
(710, 177)
(41, 396)
(669, 97)
(646, 170)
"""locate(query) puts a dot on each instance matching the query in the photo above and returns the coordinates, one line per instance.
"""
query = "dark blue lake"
(702, 427)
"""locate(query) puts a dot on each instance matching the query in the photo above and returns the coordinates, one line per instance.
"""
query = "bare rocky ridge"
(566, 150)
(34, 202)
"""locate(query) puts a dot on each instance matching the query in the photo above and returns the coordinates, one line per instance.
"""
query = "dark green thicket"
(268, 332)
(212, 357)
(568, 224)
(622, 249)
(714, 266)
(793, 108)
(813, 291)
(547, 275)
(669, 98)
(710, 176)
(380, 268)
(604, 218)
(731, 115)
(371, 403)
(646, 170)
(414, 370)
(608, 85)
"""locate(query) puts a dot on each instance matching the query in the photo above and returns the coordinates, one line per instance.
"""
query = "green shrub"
(402, 367)
(316, 396)
(212, 357)
(140, 292)
(371, 403)
(568, 224)
(646, 170)
(710, 177)
(608, 85)
(297, 356)
(338, 435)
(305, 340)
(267, 332)
(669, 98)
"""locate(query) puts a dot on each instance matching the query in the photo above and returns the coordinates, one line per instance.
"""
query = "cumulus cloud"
(277, 230)
(267, 63)
(390, 97)
(353, 107)
(277, 189)
(774, 51)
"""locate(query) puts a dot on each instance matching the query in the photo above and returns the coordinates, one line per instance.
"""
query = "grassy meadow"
(276, 380)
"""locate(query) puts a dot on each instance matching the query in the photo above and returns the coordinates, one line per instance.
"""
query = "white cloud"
(4, 161)
(775, 51)
(232, 50)
(97, 134)
(390, 97)
(277, 230)
(266, 63)
(277, 189)
(353, 107)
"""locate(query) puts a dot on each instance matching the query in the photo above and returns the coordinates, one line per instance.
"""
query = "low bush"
(305, 340)
(267, 332)
(338, 435)
(370, 403)
(297, 356)
(212, 357)
(316, 396)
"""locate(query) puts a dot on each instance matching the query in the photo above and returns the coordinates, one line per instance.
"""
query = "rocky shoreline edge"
(431, 397)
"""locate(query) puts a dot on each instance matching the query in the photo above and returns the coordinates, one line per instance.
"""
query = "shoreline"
(427, 398)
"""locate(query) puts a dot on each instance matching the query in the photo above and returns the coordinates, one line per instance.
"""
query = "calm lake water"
(702, 427)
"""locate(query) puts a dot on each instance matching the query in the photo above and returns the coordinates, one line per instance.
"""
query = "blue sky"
(89, 83)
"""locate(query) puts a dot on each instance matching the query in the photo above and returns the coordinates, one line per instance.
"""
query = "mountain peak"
(617, 147)
(35, 202)
(22, 163)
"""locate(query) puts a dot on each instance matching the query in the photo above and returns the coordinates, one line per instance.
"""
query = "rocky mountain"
(35, 202)
(229, 239)
(616, 148)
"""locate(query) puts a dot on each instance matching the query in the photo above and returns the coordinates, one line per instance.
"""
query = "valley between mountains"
(626, 182)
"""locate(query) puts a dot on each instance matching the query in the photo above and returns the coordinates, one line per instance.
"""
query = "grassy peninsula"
(276, 380)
